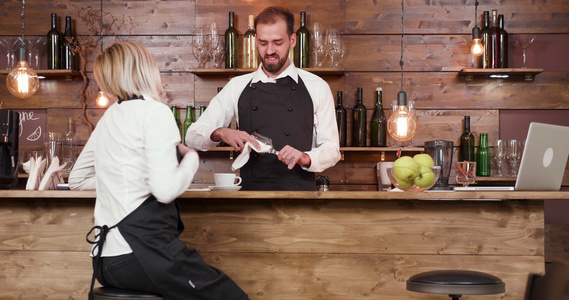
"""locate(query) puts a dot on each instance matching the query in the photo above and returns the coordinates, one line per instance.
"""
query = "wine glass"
(334, 47)
(524, 40)
(200, 47)
(218, 54)
(514, 154)
(318, 46)
(214, 38)
(499, 155)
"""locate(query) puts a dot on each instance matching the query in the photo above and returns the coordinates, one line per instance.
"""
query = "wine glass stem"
(524, 55)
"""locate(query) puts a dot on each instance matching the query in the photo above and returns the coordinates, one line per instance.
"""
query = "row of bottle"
(378, 124)
(301, 52)
(60, 54)
(481, 156)
(495, 41)
(189, 120)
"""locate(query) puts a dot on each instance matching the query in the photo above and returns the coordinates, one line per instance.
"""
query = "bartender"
(291, 106)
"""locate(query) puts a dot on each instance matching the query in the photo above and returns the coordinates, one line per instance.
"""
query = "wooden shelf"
(52, 73)
(527, 73)
(241, 71)
(352, 149)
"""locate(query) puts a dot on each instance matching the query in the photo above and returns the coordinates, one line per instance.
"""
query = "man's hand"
(291, 156)
(234, 138)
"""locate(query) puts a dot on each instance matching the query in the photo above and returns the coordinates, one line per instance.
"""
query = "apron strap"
(99, 241)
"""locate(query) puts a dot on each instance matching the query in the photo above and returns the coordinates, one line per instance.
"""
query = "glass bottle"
(503, 38)
(360, 121)
(53, 45)
(485, 37)
(176, 113)
(68, 58)
(187, 122)
(302, 50)
(483, 156)
(231, 44)
(69, 146)
(341, 119)
(467, 142)
(494, 41)
(250, 54)
(378, 122)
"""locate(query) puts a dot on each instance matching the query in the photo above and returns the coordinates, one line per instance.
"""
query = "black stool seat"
(456, 283)
(111, 293)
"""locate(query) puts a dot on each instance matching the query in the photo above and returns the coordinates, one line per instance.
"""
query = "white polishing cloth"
(243, 158)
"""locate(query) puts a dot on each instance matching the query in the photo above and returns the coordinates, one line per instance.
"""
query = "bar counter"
(293, 245)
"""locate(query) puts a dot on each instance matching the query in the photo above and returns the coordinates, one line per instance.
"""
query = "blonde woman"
(131, 159)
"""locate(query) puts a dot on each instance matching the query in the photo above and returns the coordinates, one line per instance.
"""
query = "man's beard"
(273, 68)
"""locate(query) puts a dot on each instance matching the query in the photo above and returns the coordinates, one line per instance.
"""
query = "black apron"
(282, 111)
(152, 231)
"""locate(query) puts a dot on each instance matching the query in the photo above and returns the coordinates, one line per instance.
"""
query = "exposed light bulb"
(22, 81)
(402, 124)
(102, 100)
(477, 48)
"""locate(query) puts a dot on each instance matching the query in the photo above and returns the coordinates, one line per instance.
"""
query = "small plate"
(225, 187)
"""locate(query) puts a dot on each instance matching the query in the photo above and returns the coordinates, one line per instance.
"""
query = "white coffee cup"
(226, 179)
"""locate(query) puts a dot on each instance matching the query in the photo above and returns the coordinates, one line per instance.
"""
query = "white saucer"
(225, 187)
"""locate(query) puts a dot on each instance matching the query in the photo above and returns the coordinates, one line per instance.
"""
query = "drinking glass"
(53, 142)
(318, 46)
(465, 172)
(499, 156)
(214, 36)
(34, 46)
(514, 155)
(524, 40)
(200, 47)
(334, 47)
(218, 54)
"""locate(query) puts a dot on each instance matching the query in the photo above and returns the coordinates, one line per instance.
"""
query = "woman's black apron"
(152, 231)
(282, 111)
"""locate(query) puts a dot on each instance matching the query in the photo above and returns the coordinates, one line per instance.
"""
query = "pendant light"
(402, 124)
(102, 100)
(22, 81)
(477, 48)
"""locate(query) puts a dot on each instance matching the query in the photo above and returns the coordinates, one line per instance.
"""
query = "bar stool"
(456, 283)
(111, 293)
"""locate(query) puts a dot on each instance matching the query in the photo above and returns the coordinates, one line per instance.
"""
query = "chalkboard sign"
(33, 125)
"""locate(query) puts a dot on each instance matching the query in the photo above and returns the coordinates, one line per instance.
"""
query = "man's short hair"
(272, 14)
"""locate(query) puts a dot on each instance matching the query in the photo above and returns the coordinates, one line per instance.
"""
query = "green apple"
(425, 178)
(405, 169)
(404, 183)
(424, 159)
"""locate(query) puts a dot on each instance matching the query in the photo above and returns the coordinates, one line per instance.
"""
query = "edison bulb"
(402, 124)
(102, 100)
(22, 81)
(477, 48)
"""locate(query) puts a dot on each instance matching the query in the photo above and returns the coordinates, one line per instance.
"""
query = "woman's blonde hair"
(127, 70)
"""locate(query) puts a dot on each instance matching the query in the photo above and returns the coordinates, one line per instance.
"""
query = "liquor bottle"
(176, 113)
(187, 122)
(467, 142)
(53, 45)
(231, 44)
(250, 54)
(68, 58)
(341, 119)
(485, 37)
(483, 156)
(503, 38)
(360, 122)
(378, 122)
(302, 50)
(494, 41)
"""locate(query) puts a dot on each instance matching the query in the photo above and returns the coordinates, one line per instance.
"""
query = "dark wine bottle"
(378, 122)
(494, 41)
(53, 45)
(483, 156)
(68, 58)
(360, 122)
(231, 44)
(467, 142)
(176, 113)
(187, 122)
(250, 54)
(302, 50)
(503, 38)
(485, 37)
(341, 119)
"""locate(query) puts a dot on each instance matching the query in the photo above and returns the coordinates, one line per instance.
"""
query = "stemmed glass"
(334, 47)
(200, 47)
(524, 40)
(499, 155)
(318, 46)
(217, 49)
(34, 46)
(514, 154)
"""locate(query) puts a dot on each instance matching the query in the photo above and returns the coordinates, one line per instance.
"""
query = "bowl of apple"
(417, 173)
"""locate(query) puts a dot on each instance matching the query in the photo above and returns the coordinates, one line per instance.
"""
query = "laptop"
(543, 160)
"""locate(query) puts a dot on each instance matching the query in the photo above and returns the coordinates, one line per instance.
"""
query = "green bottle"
(53, 45)
(231, 44)
(360, 122)
(467, 142)
(176, 113)
(187, 122)
(378, 122)
(483, 157)
(302, 50)
(341, 119)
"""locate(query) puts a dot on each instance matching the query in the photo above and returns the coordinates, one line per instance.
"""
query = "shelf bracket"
(529, 77)
(469, 77)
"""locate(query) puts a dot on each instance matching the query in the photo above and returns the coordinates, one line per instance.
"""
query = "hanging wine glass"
(524, 40)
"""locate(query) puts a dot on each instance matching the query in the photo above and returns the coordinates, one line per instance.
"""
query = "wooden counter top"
(451, 195)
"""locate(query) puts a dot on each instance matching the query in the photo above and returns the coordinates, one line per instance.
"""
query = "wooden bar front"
(293, 245)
